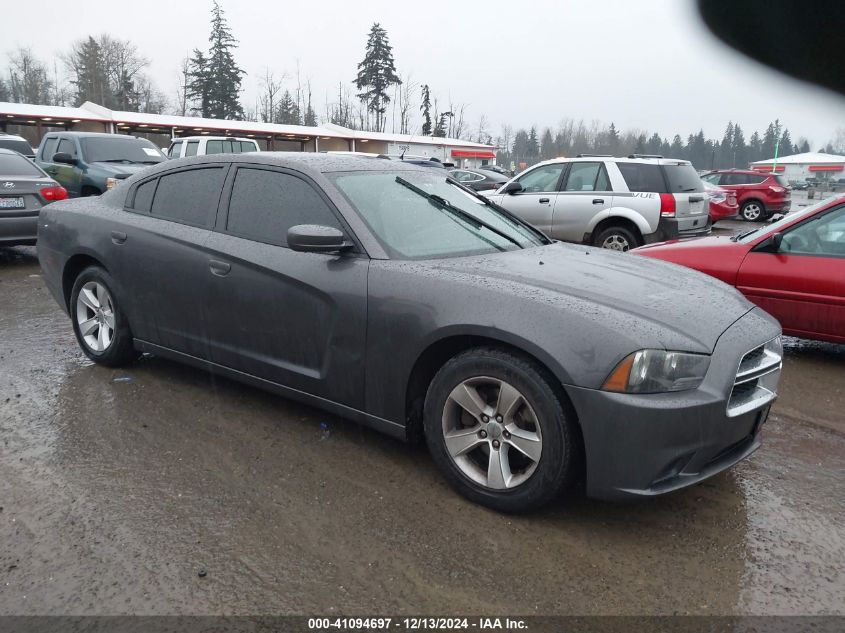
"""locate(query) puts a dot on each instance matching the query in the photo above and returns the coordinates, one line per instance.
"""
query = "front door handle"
(118, 237)
(598, 200)
(221, 269)
(544, 201)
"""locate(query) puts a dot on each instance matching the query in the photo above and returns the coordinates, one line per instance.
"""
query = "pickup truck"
(89, 163)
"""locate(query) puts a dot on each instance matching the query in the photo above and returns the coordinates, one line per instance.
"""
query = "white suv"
(202, 145)
(616, 203)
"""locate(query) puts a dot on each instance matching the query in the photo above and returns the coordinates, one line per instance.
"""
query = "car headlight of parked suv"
(658, 371)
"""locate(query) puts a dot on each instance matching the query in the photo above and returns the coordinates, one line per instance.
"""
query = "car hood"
(121, 170)
(686, 305)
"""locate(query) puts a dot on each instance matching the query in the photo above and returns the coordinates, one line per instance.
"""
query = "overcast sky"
(646, 64)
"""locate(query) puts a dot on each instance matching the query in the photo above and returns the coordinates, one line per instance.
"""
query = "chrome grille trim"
(756, 378)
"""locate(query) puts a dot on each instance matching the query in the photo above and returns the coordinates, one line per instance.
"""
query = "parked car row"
(391, 294)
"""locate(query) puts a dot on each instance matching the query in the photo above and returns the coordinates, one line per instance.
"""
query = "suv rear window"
(14, 165)
(642, 177)
(682, 179)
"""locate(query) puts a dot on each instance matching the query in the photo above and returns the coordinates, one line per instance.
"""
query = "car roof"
(302, 161)
(211, 138)
(742, 171)
(90, 134)
(648, 160)
(13, 137)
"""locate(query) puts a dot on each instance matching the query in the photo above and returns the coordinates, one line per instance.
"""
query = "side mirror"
(64, 157)
(512, 187)
(313, 238)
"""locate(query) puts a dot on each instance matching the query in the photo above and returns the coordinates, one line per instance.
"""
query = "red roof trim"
(473, 153)
(826, 167)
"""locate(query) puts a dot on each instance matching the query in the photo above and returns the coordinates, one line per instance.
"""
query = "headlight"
(657, 371)
(111, 183)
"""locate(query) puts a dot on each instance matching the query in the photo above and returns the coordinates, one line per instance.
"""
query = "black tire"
(555, 469)
(120, 351)
(753, 211)
(619, 235)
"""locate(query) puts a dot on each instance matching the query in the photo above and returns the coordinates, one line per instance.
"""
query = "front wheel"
(616, 238)
(100, 327)
(498, 432)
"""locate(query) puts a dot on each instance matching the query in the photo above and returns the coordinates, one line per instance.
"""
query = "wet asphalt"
(118, 488)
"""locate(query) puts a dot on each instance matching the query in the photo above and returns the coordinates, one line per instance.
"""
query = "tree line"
(112, 72)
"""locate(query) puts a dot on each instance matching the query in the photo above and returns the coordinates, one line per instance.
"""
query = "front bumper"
(679, 228)
(645, 445)
(21, 229)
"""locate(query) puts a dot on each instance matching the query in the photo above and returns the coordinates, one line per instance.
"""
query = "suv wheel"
(498, 432)
(100, 326)
(753, 211)
(616, 238)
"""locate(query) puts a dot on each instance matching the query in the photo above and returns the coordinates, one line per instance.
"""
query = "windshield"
(774, 227)
(422, 215)
(17, 146)
(683, 179)
(120, 150)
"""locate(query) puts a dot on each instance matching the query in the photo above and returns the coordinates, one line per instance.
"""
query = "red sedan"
(793, 268)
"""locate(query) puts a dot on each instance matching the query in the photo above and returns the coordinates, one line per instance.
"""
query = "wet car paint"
(116, 486)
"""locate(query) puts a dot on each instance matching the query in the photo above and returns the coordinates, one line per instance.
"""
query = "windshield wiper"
(116, 160)
(736, 238)
(445, 205)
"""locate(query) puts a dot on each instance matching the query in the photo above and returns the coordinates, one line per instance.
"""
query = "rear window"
(191, 148)
(682, 179)
(16, 145)
(642, 177)
(14, 165)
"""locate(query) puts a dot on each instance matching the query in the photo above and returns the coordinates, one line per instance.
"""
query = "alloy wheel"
(95, 316)
(491, 433)
(616, 242)
(752, 211)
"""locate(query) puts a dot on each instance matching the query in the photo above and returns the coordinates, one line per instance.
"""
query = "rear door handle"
(598, 200)
(118, 237)
(544, 201)
(221, 269)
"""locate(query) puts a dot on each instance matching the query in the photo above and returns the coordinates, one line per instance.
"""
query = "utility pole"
(777, 146)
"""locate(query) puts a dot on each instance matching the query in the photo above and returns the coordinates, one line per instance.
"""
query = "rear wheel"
(100, 326)
(616, 238)
(753, 211)
(498, 431)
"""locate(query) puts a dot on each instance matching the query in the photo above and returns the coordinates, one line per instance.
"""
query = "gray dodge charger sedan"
(391, 295)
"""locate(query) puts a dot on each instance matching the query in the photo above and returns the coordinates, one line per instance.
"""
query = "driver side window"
(543, 179)
(824, 236)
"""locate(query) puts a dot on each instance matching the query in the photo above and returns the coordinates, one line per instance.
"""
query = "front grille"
(756, 379)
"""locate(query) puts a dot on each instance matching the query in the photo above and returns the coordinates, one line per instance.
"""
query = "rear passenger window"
(144, 196)
(49, 149)
(191, 148)
(734, 179)
(265, 204)
(586, 177)
(247, 146)
(189, 197)
(642, 177)
(756, 180)
(176, 150)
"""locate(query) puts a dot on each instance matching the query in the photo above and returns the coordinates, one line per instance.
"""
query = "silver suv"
(616, 203)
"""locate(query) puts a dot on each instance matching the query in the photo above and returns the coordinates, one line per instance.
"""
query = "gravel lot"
(117, 486)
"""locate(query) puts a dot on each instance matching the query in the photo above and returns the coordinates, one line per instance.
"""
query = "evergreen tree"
(767, 148)
(612, 140)
(755, 148)
(654, 145)
(5, 94)
(739, 150)
(726, 149)
(533, 150)
(90, 80)
(215, 79)
(199, 84)
(641, 146)
(676, 149)
(425, 108)
(786, 148)
(547, 145)
(805, 147)
(376, 74)
(440, 128)
(288, 113)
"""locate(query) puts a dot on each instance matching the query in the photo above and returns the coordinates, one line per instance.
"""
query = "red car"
(793, 268)
(723, 202)
(760, 195)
